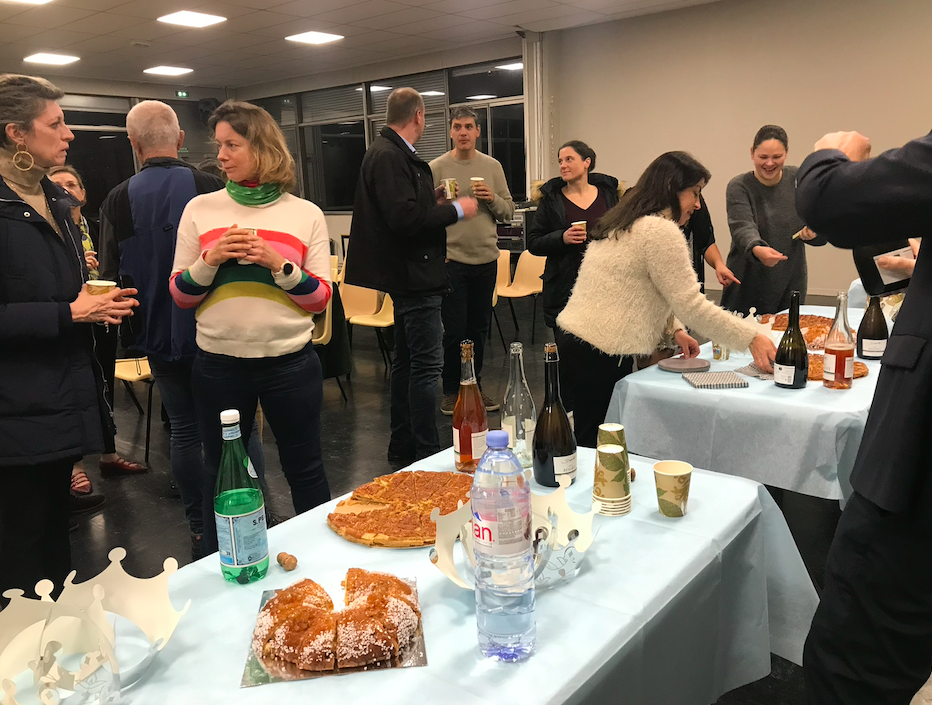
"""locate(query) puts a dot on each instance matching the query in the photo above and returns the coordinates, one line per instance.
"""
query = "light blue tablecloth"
(804, 440)
(664, 611)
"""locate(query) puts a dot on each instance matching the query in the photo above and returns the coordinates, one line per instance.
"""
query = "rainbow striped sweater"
(245, 310)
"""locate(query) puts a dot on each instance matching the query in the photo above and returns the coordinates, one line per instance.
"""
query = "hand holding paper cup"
(672, 478)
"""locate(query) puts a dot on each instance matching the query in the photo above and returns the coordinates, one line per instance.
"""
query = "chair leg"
(132, 395)
(340, 385)
(533, 319)
(500, 334)
(514, 316)
(383, 348)
(150, 384)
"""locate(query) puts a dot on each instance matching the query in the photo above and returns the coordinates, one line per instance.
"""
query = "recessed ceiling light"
(168, 70)
(314, 38)
(432, 93)
(480, 97)
(511, 67)
(192, 19)
(32, 2)
(53, 59)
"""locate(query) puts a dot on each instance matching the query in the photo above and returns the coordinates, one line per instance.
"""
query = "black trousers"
(105, 350)
(589, 376)
(466, 313)
(871, 637)
(34, 541)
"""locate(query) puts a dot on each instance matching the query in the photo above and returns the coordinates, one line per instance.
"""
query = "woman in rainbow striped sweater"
(255, 261)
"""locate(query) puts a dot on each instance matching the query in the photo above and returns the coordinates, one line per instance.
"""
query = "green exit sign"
(181, 94)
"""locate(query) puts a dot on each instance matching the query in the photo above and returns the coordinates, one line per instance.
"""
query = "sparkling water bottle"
(501, 520)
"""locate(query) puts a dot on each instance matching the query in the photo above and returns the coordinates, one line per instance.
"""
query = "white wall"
(704, 79)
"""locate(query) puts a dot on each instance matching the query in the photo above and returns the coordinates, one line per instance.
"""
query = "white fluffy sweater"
(634, 285)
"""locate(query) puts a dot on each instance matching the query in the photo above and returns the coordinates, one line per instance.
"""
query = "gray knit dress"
(766, 216)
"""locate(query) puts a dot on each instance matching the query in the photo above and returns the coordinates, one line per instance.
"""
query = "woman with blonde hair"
(255, 261)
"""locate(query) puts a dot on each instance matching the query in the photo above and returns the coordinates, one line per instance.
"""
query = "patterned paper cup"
(612, 433)
(672, 478)
(98, 287)
(612, 478)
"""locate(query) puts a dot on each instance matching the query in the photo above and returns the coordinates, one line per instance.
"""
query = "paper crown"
(561, 539)
(40, 635)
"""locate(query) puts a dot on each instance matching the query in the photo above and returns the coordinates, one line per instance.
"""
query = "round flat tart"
(817, 367)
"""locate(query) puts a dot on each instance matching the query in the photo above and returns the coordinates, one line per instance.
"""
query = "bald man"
(138, 224)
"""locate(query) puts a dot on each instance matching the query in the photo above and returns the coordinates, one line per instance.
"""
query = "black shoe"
(400, 452)
(81, 503)
(197, 546)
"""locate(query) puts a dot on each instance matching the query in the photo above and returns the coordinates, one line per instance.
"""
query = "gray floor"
(144, 515)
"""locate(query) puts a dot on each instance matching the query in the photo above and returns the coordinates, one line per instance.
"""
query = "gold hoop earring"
(20, 157)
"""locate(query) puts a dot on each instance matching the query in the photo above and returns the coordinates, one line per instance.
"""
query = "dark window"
(486, 81)
(333, 155)
(508, 146)
(104, 159)
(81, 117)
(283, 109)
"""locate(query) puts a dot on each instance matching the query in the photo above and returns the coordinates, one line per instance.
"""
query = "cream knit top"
(634, 285)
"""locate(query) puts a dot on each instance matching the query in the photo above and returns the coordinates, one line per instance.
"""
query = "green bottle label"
(242, 539)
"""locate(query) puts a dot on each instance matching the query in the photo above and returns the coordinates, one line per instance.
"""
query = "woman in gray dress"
(761, 206)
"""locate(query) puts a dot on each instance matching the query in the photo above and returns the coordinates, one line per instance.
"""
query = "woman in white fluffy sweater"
(635, 286)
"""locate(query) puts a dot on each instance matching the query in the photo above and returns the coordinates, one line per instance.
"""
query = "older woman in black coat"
(51, 393)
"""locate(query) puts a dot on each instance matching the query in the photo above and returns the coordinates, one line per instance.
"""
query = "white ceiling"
(250, 48)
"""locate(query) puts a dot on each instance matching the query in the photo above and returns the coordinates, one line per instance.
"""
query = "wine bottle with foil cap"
(838, 368)
(873, 333)
(791, 364)
(554, 441)
(470, 421)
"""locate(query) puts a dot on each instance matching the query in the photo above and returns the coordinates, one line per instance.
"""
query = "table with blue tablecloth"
(663, 610)
(805, 440)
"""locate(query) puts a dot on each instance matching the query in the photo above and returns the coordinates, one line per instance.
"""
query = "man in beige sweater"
(472, 250)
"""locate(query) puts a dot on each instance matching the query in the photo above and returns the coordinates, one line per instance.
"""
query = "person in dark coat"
(51, 390)
(577, 194)
(871, 637)
(398, 245)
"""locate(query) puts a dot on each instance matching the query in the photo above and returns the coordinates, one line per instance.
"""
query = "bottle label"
(508, 425)
(478, 445)
(242, 539)
(505, 533)
(783, 374)
(250, 468)
(873, 347)
(565, 465)
(231, 432)
(828, 367)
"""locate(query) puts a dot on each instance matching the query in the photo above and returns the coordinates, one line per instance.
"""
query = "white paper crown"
(561, 539)
(37, 635)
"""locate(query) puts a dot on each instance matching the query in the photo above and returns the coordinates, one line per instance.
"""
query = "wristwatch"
(286, 270)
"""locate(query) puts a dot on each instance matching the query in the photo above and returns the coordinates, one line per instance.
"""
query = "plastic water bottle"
(501, 519)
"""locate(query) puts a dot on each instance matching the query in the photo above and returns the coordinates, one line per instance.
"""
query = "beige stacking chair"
(385, 318)
(527, 282)
(129, 372)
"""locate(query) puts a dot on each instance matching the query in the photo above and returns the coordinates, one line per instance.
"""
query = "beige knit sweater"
(634, 285)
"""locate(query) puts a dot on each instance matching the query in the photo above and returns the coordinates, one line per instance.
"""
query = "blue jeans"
(290, 388)
(173, 378)
(416, 370)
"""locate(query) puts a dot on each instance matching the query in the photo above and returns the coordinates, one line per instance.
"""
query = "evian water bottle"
(501, 520)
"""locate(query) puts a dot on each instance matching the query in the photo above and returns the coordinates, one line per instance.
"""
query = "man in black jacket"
(871, 638)
(398, 245)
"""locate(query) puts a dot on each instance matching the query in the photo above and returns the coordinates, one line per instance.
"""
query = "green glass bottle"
(239, 509)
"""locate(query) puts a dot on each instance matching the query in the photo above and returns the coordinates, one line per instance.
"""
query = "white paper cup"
(672, 478)
(580, 223)
(99, 287)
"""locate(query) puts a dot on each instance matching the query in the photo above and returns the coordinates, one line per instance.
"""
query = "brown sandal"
(80, 484)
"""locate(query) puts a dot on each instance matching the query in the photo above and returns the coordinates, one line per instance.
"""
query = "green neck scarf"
(253, 195)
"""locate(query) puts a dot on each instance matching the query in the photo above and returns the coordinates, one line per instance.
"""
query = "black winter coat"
(545, 238)
(862, 203)
(398, 239)
(51, 391)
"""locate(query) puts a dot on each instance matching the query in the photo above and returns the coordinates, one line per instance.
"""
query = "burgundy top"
(591, 215)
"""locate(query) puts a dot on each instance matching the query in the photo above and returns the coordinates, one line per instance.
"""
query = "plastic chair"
(358, 301)
(385, 318)
(527, 282)
(497, 324)
(134, 370)
(334, 269)
(323, 332)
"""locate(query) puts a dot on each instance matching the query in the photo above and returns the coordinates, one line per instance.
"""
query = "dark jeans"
(105, 349)
(590, 377)
(173, 378)
(466, 314)
(417, 367)
(871, 637)
(34, 542)
(291, 392)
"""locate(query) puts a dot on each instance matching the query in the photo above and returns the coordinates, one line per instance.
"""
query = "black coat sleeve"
(859, 203)
(398, 201)
(545, 236)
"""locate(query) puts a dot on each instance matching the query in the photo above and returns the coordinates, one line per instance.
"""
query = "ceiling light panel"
(314, 38)
(31, 2)
(168, 70)
(51, 59)
(480, 97)
(511, 67)
(185, 18)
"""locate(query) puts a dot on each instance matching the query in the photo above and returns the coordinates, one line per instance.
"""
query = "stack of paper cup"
(611, 491)
(613, 433)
